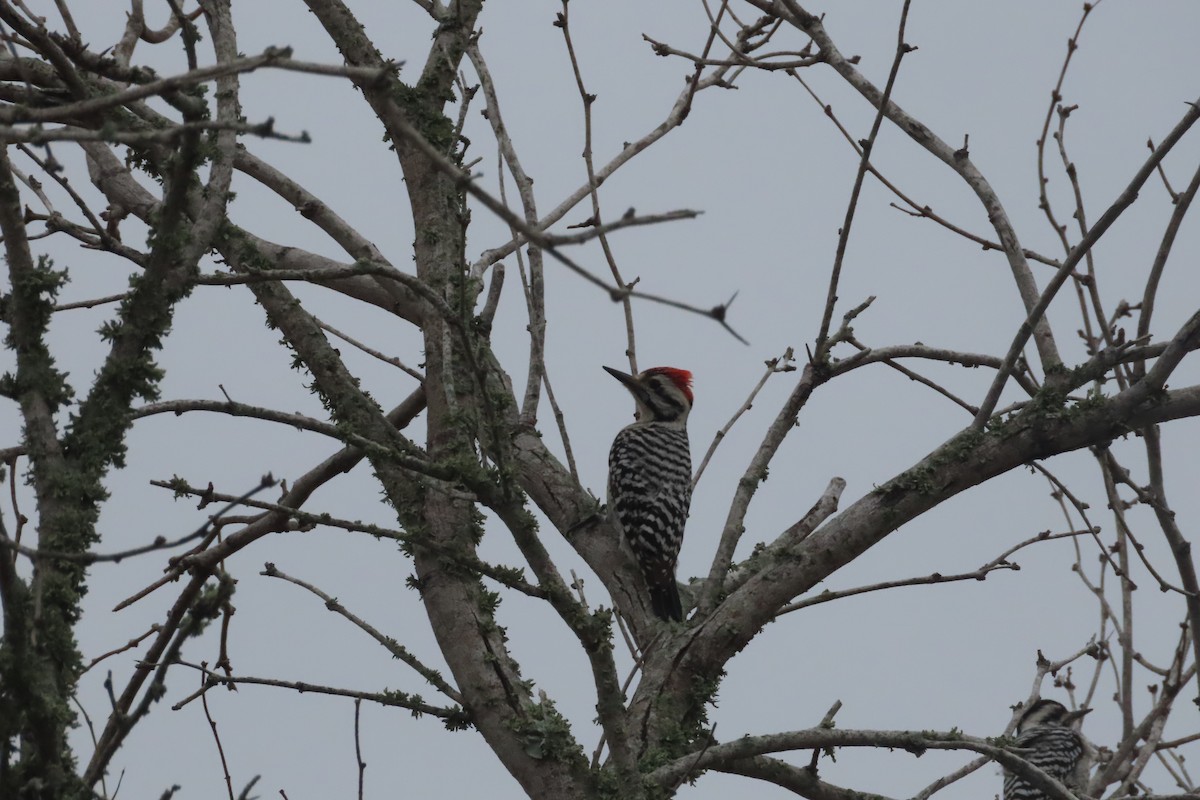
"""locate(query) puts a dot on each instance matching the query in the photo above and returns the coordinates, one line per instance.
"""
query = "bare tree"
(123, 150)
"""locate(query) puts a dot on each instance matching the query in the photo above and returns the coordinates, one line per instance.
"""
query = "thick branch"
(967, 460)
(799, 780)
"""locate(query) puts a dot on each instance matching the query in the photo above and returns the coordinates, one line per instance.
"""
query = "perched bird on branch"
(650, 479)
(1047, 731)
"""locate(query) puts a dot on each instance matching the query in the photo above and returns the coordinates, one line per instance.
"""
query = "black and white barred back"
(650, 480)
(650, 491)
(1053, 746)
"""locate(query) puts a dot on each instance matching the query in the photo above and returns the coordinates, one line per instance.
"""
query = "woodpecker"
(1046, 730)
(650, 479)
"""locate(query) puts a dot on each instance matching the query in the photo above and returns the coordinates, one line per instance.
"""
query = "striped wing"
(649, 492)
(1054, 750)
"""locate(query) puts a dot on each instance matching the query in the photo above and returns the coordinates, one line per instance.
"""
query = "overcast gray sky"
(772, 176)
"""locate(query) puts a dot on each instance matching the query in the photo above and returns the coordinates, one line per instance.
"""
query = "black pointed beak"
(630, 382)
(623, 377)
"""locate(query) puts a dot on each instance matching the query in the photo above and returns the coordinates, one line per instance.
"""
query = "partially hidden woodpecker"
(1047, 731)
(650, 479)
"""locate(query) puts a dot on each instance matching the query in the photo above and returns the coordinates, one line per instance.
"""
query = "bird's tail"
(664, 599)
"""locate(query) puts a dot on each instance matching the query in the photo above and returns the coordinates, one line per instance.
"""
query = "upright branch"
(563, 22)
(868, 145)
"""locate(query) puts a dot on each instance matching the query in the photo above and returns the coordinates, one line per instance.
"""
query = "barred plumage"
(1054, 746)
(650, 479)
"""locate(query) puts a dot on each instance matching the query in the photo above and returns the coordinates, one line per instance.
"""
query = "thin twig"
(844, 232)
(98, 301)
(395, 362)
(362, 765)
(999, 563)
(1060, 230)
(563, 22)
(132, 643)
(390, 698)
(915, 209)
(560, 421)
(397, 650)
(216, 737)
(783, 363)
(160, 543)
